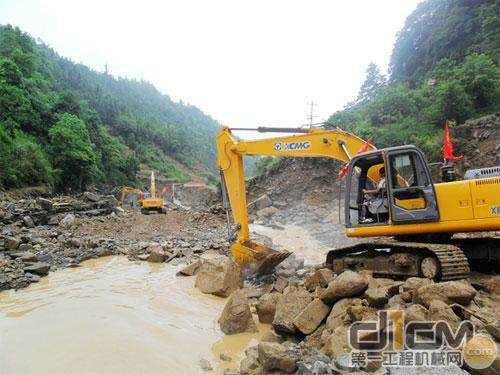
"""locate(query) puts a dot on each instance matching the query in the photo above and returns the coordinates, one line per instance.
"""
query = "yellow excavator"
(151, 202)
(421, 215)
(126, 191)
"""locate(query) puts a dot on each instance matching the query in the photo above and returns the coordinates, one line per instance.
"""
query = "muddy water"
(296, 239)
(113, 316)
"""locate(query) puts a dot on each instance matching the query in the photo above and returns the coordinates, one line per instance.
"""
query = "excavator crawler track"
(440, 262)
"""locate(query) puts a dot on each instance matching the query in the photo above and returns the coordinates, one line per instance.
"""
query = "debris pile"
(311, 311)
(39, 235)
(31, 212)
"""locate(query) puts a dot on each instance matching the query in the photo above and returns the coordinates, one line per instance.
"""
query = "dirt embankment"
(479, 142)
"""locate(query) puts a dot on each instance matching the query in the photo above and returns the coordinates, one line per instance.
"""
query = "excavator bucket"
(257, 258)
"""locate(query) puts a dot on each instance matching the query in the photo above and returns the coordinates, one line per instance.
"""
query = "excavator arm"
(336, 144)
(126, 191)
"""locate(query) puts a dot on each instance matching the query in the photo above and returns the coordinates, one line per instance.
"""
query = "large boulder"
(320, 278)
(219, 276)
(460, 292)
(311, 317)
(236, 316)
(347, 284)
(274, 356)
(266, 307)
(288, 307)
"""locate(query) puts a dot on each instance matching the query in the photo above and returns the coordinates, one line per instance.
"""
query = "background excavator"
(421, 215)
(149, 201)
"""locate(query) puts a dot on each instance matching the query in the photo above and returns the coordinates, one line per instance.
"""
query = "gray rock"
(67, 221)
(25, 247)
(32, 277)
(53, 220)
(28, 221)
(11, 243)
(91, 197)
(46, 204)
(38, 268)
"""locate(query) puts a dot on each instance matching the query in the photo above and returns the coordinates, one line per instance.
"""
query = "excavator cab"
(405, 191)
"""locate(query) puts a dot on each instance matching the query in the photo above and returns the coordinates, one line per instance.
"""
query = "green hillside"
(64, 124)
(444, 66)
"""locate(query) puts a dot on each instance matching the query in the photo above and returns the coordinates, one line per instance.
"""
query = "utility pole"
(106, 69)
(310, 117)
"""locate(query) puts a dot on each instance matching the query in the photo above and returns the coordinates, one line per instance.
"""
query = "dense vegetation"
(444, 66)
(63, 124)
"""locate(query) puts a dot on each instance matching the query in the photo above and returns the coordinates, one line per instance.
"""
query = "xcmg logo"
(292, 146)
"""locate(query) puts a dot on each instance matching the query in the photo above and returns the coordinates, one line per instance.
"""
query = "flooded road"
(113, 316)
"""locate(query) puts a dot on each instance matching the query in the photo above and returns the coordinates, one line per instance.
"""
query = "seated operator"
(375, 206)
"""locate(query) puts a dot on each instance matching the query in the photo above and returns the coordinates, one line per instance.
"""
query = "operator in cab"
(375, 204)
(380, 186)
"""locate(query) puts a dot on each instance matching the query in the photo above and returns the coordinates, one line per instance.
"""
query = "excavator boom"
(336, 144)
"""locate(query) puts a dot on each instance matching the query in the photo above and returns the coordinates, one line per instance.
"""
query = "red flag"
(448, 146)
(344, 169)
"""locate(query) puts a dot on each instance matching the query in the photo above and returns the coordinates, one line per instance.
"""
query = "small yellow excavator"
(421, 215)
(126, 191)
(151, 203)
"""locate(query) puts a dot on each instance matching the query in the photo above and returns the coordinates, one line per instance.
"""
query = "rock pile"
(31, 212)
(311, 316)
(40, 234)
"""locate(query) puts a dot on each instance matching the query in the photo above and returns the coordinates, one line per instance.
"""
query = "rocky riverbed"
(40, 235)
(307, 307)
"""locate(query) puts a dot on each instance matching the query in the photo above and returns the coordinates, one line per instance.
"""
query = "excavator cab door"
(411, 193)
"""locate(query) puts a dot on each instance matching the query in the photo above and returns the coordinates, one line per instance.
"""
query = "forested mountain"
(65, 124)
(444, 66)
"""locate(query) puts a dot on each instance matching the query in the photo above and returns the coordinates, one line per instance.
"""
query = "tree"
(439, 29)
(374, 83)
(72, 152)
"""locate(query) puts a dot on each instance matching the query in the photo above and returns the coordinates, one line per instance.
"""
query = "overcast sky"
(246, 63)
